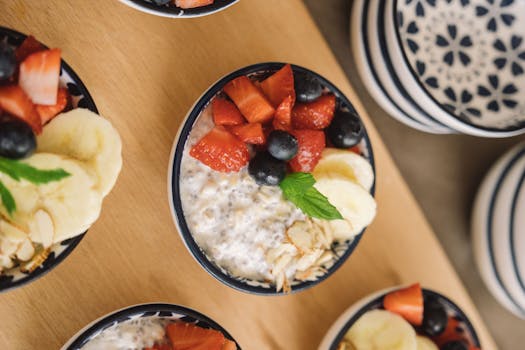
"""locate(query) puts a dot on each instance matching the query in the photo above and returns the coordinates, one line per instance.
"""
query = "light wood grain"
(144, 72)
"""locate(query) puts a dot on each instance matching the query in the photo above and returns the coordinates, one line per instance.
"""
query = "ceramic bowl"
(261, 70)
(172, 11)
(14, 278)
(517, 231)
(464, 60)
(342, 325)
(169, 312)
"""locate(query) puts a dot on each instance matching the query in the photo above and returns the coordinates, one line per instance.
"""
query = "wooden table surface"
(144, 73)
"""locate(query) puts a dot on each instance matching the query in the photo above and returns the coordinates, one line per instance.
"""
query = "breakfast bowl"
(238, 189)
(179, 8)
(50, 193)
(402, 318)
(154, 326)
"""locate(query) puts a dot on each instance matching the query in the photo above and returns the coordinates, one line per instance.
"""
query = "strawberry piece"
(279, 85)
(314, 115)
(39, 74)
(406, 302)
(29, 46)
(221, 151)
(250, 133)
(250, 100)
(226, 113)
(283, 115)
(160, 347)
(188, 4)
(451, 333)
(229, 345)
(15, 101)
(311, 145)
(46, 113)
(187, 336)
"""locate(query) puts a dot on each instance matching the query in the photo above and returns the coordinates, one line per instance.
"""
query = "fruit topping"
(282, 145)
(46, 113)
(7, 61)
(39, 75)
(406, 302)
(279, 85)
(15, 101)
(226, 113)
(187, 336)
(221, 151)
(345, 130)
(455, 345)
(435, 318)
(314, 115)
(250, 100)
(188, 4)
(307, 87)
(29, 45)
(266, 170)
(311, 144)
(283, 115)
(17, 139)
(251, 133)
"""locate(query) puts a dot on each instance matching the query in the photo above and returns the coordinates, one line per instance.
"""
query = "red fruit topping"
(187, 336)
(15, 101)
(314, 115)
(283, 115)
(355, 149)
(39, 74)
(229, 345)
(311, 145)
(47, 113)
(29, 45)
(250, 100)
(279, 85)
(226, 113)
(160, 347)
(188, 4)
(221, 151)
(250, 133)
(406, 302)
(451, 333)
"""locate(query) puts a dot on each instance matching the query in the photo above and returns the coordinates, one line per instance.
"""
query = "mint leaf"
(298, 189)
(7, 199)
(18, 170)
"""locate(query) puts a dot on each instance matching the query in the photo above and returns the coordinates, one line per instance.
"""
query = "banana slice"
(355, 204)
(72, 203)
(382, 330)
(423, 343)
(340, 163)
(88, 138)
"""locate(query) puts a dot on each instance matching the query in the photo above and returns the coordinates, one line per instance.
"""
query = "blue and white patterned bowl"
(342, 251)
(342, 325)
(14, 278)
(172, 11)
(468, 58)
(170, 312)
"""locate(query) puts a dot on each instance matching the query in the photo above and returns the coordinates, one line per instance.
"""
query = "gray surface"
(443, 172)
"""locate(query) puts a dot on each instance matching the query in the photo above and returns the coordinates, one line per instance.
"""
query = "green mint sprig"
(299, 189)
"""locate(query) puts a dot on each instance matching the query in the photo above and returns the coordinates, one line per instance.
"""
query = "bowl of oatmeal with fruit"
(179, 8)
(271, 179)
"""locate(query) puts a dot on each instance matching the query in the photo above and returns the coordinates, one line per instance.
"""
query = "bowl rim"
(72, 242)
(174, 173)
(343, 323)
(518, 194)
(78, 340)
(177, 12)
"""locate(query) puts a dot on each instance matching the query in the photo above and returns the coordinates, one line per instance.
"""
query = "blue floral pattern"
(498, 94)
(454, 45)
(496, 11)
(410, 29)
(512, 54)
(420, 6)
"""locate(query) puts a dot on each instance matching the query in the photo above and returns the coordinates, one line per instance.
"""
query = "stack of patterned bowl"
(444, 66)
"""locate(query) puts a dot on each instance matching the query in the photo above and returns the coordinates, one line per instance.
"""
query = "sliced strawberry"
(283, 115)
(188, 4)
(406, 302)
(29, 45)
(252, 133)
(279, 85)
(15, 101)
(221, 151)
(46, 113)
(250, 100)
(229, 345)
(187, 336)
(226, 113)
(355, 149)
(451, 333)
(314, 115)
(311, 145)
(39, 74)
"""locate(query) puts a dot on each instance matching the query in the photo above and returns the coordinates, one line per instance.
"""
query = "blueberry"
(345, 130)
(455, 345)
(282, 145)
(7, 61)
(435, 318)
(266, 170)
(307, 87)
(17, 139)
